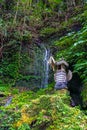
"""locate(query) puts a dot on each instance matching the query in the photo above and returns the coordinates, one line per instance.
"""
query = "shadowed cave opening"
(75, 89)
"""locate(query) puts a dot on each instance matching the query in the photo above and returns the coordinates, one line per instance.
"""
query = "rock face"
(34, 66)
(74, 86)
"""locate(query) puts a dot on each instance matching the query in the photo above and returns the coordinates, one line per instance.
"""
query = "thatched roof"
(62, 62)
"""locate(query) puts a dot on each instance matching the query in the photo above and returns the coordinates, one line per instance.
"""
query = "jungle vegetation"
(62, 25)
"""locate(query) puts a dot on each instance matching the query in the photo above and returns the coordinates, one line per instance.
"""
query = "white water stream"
(45, 76)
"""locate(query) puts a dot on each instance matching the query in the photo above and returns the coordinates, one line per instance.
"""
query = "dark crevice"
(2, 95)
(75, 87)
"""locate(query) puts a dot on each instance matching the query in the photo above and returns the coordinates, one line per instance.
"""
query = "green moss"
(47, 31)
(53, 112)
(5, 89)
(42, 109)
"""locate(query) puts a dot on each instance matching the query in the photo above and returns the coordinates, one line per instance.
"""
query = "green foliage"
(65, 41)
(46, 108)
(54, 3)
(27, 78)
(26, 35)
(74, 51)
(22, 24)
(15, 91)
(84, 94)
(47, 31)
(5, 89)
(73, 48)
(24, 127)
(8, 117)
(10, 70)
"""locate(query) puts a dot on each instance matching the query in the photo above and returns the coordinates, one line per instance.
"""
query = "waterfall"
(45, 75)
(35, 70)
(41, 66)
(8, 101)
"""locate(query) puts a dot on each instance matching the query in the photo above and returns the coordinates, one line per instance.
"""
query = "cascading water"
(45, 76)
(35, 70)
(8, 101)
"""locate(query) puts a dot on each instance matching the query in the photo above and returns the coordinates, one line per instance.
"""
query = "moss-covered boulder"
(45, 110)
(48, 112)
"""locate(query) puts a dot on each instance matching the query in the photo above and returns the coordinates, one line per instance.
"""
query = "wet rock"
(2, 94)
(74, 87)
(8, 101)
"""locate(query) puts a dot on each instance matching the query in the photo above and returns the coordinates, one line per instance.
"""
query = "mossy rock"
(51, 112)
(42, 110)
